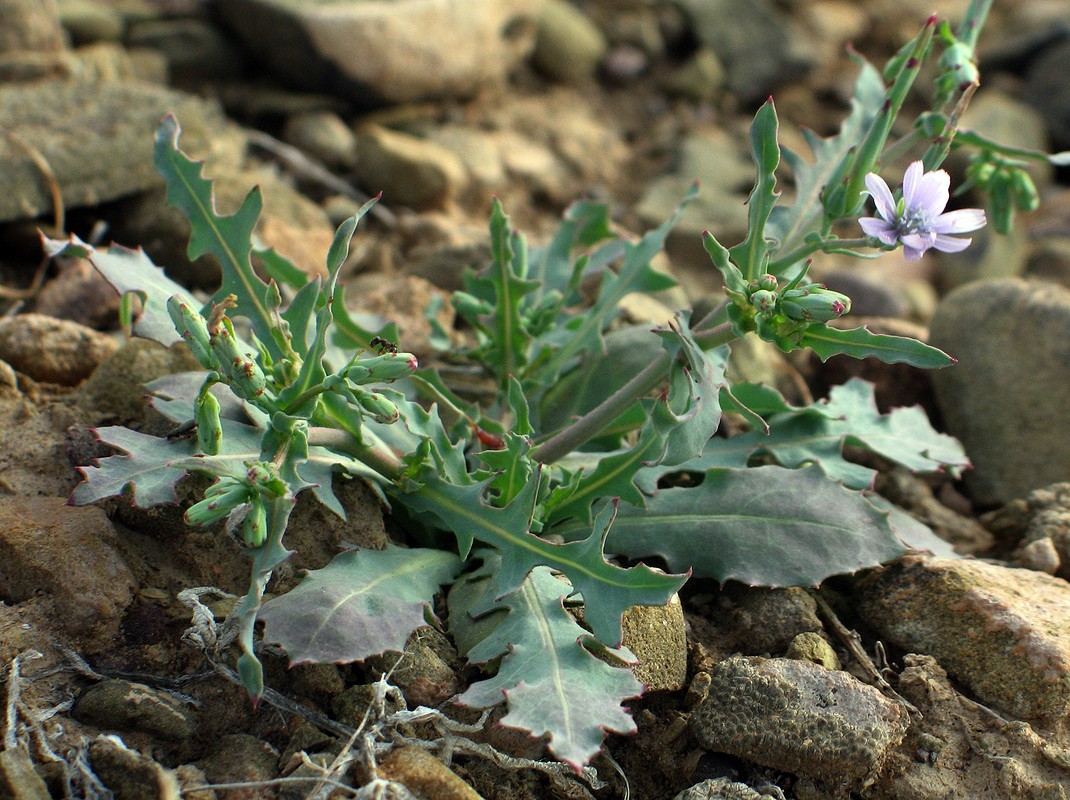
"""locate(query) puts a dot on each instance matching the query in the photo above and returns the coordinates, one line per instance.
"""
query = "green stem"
(976, 14)
(368, 449)
(649, 378)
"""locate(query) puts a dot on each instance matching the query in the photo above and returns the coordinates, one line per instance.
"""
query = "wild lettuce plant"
(575, 456)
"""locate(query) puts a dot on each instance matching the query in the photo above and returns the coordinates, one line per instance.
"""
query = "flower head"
(919, 221)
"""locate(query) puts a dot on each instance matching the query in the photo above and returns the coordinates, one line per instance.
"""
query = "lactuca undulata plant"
(574, 456)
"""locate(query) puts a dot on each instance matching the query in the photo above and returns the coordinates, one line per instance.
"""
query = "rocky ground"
(936, 677)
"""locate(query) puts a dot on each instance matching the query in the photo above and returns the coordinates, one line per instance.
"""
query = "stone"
(701, 77)
(116, 389)
(30, 25)
(103, 148)
(377, 53)
(798, 717)
(69, 555)
(79, 294)
(323, 135)
(765, 621)
(424, 775)
(88, 21)
(569, 46)
(116, 704)
(409, 171)
(1047, 528)
(657, 637)
(721, 789)
(241, 758)
(755, 49)
(1002, 632)
(1006, 399)
(128, 774)
(1046, 90)
(813, 647)
(53, 350)
(422, 672)
(195, 49)
(18, 779)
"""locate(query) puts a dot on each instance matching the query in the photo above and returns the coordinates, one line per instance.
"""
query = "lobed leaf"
(553, 684)
(365, 602)
(130, 272)
(751, 254)
(818, 433)
(762, 526)
(862, 343)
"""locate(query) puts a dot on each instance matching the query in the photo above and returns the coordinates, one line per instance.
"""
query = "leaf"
(147, 468)
(585, 224)
(130, 272)
(762, 526)
(504, 285)
(552, 682)
(751, 254)
(818, 433)
(789, 224)
(228, 238)
(362, 604)
(608, 590)
(861, 343)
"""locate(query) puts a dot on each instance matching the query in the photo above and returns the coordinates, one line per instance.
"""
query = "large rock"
(1003, 632)
(751, 38)
(1007, 397)
(67, 554)
(96, 138)
(377, 52)
(798, 717)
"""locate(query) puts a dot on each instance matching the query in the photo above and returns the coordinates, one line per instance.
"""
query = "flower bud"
(1024, 191)
(814, 304)
(382, 369)
(220, 499)
(764, 301)
(378, 406)
(239, 365)
(193, 328)
(766, 282)
(209, 425)
(265, 475)
(254, 524)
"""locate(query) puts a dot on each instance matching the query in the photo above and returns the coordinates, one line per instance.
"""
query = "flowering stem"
(976, 14)
(648, 379)
(368, 449)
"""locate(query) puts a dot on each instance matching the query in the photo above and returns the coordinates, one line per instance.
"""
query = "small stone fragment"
(410, 171)
(116, 704)
(68, 554)
(239, 757)
(813, 647)
(798, 717)
(720, 789)
(18, 779)
(1003, 632)
(129, 774)
(424, 775)
(52, 350)
(568, 45)
(656, 635)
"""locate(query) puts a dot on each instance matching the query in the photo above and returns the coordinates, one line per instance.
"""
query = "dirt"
(75, 636)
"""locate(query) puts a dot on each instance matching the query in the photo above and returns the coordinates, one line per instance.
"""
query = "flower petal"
(912, 254)
(962, 221)
(918, 241)
(911, 179)
(950, 244)
(874, 226)
(931, 193)
(882, 196)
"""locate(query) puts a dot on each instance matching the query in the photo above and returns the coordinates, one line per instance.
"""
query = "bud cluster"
(1008, 185)
(809, 303)
(242, 502)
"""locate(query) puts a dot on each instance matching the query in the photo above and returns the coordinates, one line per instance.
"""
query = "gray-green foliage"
(562, 466)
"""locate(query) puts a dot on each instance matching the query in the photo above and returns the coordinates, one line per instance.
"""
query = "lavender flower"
(918, 221)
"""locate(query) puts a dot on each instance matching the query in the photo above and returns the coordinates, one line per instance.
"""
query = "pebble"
(424, 775)
(409, 171)
(18, 779)
(387, 53)
(80, 294)
(195, 49)
(87, 21)
(116, 704)
(323, 135)
(568, 46)
(1002, 632)
(657, 637)
(128, 774)
(422, 672)
(701, 77)
(239, 757)
(90, 592)
(1006, 399)
(53, 350)
(798, 717)
(1046, 90)
(721, 789)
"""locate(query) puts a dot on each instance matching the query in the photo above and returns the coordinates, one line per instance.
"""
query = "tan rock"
(1003, 632)
(52, 350)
